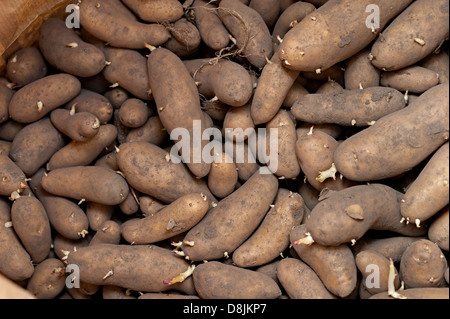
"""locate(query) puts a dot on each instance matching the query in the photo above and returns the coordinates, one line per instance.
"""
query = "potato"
(97, 214)
(348, 107)
(429, 193)
(149, 206)
(423, 265)
(174, 219)
(137, 267)
(158, 11)
(31, 224)
(412, 35)
(212, 31)
(35, 100)
(271, 238)
(6, 95)
(414, 79)
(329, 87)
(178, 103)
(268, 9)
(128, 69)
(18, 265)
(9, 129)
(288, 166)
(13, 178)
(92, 102)
(252, 35)
(397, 142)
(345, 216)
(108, 160)
(91, 183)
(215, 280)
(335, 265)
(35, 144)
(333, 73)
(360, 72)
(185, 40)
(151, 132)
(65, 216)
(270, 270)
(229, 81)
(107, 233)
(334, 32)
(238, 123)
(374, 268)
(439, 63)
(418, 293)
(130, 205)
(80, 126)
(25, 66)
(102, 19)
(296, 91)
(66, 51)
(273, 87)
(310, 195)
(48, 279)
(227, 225)
(148, 169)
(63, 246)
(133, 113)
(293, 14)
(223, 176)
(315, 150)
(245, 161)
(300, 281)
(438, 230)
(117, 96)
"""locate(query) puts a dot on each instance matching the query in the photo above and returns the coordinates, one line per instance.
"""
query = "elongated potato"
(249, 29)
(418, 293)
(429, 192)
(178, 104)
(292, 15)
(215, 280)
(272, 237)
(213, 32)
(158, 11)
(345, 216)
(25, 66)
(414, 34)
(414, 79)
(100, 19)
(91, 183)
(83, 153)
(226, 226)
(348, 107)
(97, 214)
(238, 123)
(48, 279)
(335, 265)
(80, 126)
(223, 176)
(65, 50)
(174, 219)
(438, 230)
(35, 100)
(151, 132)
(423, 265)
(300, 281)
(137, 267)
(360, 72)
(245, 161)
(92, 102)
(12, 177)
(334, 32)
(399, 141)
(31, 224)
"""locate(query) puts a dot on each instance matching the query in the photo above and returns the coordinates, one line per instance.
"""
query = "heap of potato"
(357, 207)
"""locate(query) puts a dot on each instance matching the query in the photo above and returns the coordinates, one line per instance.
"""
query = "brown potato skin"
(399, 141)
(185, 40)
(335, 265)
(226, 226)
(296, 11)
(157, 11)
(423, 265)
(53, 91)
(137, 267)
(438, 231)
(296, 91)
(414, 79)
(238, 118)
(429, 192)
(331, 223)
(177, 100)
(300, 281)
(359, 71)
(418, 293)
(348, 107)
(133, 113)
(212, 31)
(174, 219)
(332, 36)
(85, 60)
(151, 132)
(215, 280)
(439, 63)
(117, 96)
(272, 237)
(269, 10)
(92, 102)
(223, 176)
(80, 126)
(32, 225)
(142, 162)
(117, 29)
(98, 214)
(48, 280)
(250, 31)
(28, 67)
(397, 48)
(12, 177)
(6, 95)
(108, 233)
